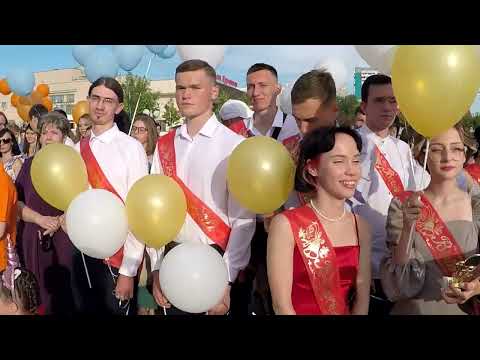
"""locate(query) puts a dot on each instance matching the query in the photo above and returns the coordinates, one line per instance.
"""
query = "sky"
(289, 60)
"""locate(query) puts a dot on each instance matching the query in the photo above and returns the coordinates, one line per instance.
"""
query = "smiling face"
(262, 90)
(338, 171)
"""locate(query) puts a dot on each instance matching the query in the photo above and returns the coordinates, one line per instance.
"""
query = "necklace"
(325, 217)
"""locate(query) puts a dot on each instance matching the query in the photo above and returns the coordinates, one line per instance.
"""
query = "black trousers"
(100, 299)
(379, 303)
(251, 292)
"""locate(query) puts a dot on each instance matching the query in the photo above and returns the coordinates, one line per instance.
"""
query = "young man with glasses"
(114, 161)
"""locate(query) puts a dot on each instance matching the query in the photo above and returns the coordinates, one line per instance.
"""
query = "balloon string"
(164, 310)
(422, 186)
(86, 271)
(140, 95)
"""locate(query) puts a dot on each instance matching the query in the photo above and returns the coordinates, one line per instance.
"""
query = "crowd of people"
(367, 228)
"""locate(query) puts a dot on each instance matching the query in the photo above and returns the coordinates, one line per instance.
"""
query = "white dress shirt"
(68, 141)
(123, 161)
(372, 196)
(202, 165)
(289, 128)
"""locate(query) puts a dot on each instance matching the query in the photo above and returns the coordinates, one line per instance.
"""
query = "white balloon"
(336, 68)
(379, 57)
(212, 54)
(193, 277)
(97, 223)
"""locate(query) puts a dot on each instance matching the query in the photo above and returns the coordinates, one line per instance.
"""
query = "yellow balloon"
(59, 175)
(260, 174)
(156, 210)
(435, 85)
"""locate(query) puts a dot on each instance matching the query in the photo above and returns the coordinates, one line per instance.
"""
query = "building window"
(64, 102)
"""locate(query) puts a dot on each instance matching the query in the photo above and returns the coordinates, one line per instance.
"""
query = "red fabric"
(98, 180)
(474, 171)
(240, 128)
(319, 263)
(210, 223)
(303, 298)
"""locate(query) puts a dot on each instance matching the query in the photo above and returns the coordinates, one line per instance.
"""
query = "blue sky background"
(289, 60)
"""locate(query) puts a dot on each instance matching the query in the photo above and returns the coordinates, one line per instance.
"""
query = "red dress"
(330, 277)
(303, 299)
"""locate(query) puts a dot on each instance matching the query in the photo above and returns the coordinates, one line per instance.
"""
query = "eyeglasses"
(6, 141)
(456, 153)
(140, 130)
(96, 99)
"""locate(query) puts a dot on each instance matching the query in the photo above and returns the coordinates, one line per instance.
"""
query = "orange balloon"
(36, 97)
(14, 100)
(43, 89)
(4, 88)
(25, 100)
(47, 102)
(23, 111)
(79, 109)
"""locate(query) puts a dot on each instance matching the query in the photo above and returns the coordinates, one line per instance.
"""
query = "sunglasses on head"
(6, 141)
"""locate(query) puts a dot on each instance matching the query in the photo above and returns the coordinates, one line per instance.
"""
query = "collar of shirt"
(107, 136)
(377, 140)
(277, 122)
(208, 129)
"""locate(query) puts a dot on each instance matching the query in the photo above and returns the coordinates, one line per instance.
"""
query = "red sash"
(319, 258)
(439, 240)
(210, 223)
(474, 171)
(98, 180)
(292, 144)
(389, 176)
(240, 128)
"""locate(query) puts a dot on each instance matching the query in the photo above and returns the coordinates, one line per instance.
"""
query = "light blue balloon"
(128, 56)
(157, 49)
(169, 52)
(82, 52)
(101, 63)
(21, 81)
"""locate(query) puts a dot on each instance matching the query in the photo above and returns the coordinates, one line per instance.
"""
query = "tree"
(135, 86)
(347, 106)
(171, 116)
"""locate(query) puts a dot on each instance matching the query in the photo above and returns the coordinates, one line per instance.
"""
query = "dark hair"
(109, 83)
(359, 110)
(15, 147)
(316, 84)
(4, 116)
(121, 119)
(261, 66)
(377, 79)
(26, 145)
(151, 130)
(26, 291)
(61, 112)
(315, 143)
(195, 65)
(37, 111)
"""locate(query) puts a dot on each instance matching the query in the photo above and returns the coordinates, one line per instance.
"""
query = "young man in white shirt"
(381, 153)
(196, 155)
(114, 161)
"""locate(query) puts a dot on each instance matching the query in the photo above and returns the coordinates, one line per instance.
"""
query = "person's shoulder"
(128, 140)
(229, 136)
(402, 145)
